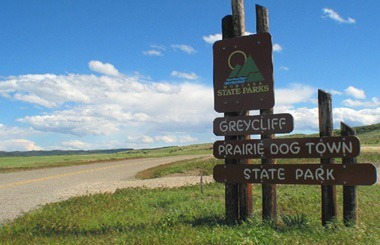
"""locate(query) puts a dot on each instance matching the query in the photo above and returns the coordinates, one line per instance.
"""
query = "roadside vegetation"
(187, 216)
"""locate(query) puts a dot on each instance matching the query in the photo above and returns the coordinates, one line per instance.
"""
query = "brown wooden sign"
(243, 73)
(323, 147)
(308, 174)
(269, 124)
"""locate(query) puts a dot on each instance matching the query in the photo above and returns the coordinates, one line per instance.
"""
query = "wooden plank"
(259, 124)
(314, 147)
(300, 174)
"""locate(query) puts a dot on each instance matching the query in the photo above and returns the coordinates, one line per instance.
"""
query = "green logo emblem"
(247, 73)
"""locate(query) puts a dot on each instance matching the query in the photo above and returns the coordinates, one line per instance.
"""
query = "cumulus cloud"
(374, 102)
(210, 39)
(184, 48)
(140, 111)
(8, 132)
(293, 94)
(106, 105)
(19, 145)
(355, 92)
(75, 145)
(333, 15)
(188, 76)
(103, 68)
(277, 47)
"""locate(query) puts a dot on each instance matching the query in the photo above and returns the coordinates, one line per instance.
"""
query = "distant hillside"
(369, 134)
(59, 152)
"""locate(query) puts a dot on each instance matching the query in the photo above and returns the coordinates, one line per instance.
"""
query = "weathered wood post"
(350, 207)
(328, 192)
(269, 202)
(238, 197)
(231, 190)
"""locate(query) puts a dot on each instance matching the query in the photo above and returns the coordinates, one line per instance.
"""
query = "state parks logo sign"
(243, 73)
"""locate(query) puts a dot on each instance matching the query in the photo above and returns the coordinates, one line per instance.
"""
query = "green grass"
(33, 162)
(198, 166)
(186, 216)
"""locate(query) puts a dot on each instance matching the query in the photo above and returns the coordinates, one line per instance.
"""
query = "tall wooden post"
(231, 190)
(269, 201)
(238, 197)
(350, 207)
(328, 192)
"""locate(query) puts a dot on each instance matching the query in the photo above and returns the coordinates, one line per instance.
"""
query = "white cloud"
(188, 76)
(212, 38)
(134, 111)
(306, 119)
(166, 139)
(277, 47)
(153, 52)
(355, 92)
(335, 92)
(103, 68)
(18, 145)
(284, 68)
(84, 105)
(8, 132)
(332, 14)
(374, 102)
(75, 145)
(184, 48)
(187, 139)
(166, 88)
(293, 94)
(357, 117)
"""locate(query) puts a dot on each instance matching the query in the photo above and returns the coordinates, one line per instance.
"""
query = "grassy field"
(33, 162)
(187, 216)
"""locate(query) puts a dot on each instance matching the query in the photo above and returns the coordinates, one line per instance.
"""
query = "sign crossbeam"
(275, 123)
(308, 174)
(322, 147)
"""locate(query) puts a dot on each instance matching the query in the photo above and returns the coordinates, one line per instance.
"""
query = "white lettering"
(299, 173)
(264, 174)
(346, 148)
(281, 174)
(308, 145)
(247, 172)
(329, 174)
(319, 174)
(308, 174)
(256, 170)
(223, 126)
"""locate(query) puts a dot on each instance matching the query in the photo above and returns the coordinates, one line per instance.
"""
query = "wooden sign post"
(243, 80)
(350, 206)
(238, 197)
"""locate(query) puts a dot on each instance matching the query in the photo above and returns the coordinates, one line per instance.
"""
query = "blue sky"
(115, 74)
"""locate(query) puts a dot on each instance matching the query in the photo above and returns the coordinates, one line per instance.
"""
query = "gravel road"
(22, 191)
